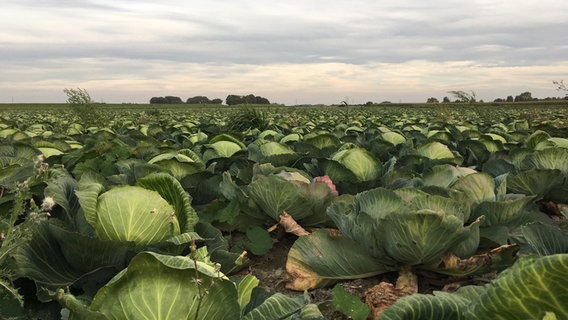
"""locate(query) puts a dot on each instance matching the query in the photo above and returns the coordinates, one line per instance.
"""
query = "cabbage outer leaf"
(167, 287)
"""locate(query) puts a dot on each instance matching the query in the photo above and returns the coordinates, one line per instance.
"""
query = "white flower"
(47, 204)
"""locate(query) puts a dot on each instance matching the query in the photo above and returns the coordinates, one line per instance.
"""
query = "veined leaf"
(244, 289)
(276, 306)
(325, 257)
(435, 150)
(535, 182)
(545, 239)
(528, 290)
(171, 190)
(421, 237)
(135, 214)
(361, 162)
(550, 158)
(274, 195)
(88, 194)
(445, 175)
(55, 257)
(379, 202)
(478, 187)
(439, 306)
(501, 212)
(167, 287)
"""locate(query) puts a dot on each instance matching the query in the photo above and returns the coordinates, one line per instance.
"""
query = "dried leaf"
(495, 259)
(380, 297)
(291, 226)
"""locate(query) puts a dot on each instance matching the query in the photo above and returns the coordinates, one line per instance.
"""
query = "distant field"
(143, 106)
(164, 196)
(550, 116)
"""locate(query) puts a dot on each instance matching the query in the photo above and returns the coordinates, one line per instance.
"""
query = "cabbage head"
(418, 229)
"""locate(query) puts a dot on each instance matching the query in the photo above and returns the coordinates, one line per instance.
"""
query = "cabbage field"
(376, 212)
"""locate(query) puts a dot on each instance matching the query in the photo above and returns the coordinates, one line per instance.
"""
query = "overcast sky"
(304, 51)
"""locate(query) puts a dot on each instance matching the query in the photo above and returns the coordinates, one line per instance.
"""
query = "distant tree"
(251, 99)
(560, 86)
(198, 100)
(81, 104)
(525, 96)
(463, 96)
(510, 99)
(78, 96)
(158, 100)
(174, 100)
(233, 99)
(499, 100)
(166, 100)
(446, 100)
(217, 101)
(369, 103)
(262, 100)
(432, 100)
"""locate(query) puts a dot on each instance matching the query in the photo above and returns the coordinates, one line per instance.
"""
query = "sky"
(289, 51)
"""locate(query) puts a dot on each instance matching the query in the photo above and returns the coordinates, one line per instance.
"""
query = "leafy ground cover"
(284, 213)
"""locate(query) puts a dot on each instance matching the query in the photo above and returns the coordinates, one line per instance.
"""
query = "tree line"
(466, 97)
(231, 99)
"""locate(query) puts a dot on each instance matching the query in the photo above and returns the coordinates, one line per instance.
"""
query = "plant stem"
(407, 280)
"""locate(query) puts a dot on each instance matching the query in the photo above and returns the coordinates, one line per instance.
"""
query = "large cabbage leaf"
(502, 212)
(63, 191)
(180, 163)
(156, 286)
(165, 287)
(379, 203)
(393, 137)
(272, 152)
(55, 257)
(439, 306)
(171, 190)
(358, 226)
(444, 175)
(528, 290)
(550, 158)
(325, 257)
(544, 239)
(321, 144)
(435, 151)
(305, 202)
(533, 288)
(537, 182)
(478, 187)
(221, 149)
(360, 162)
(421, 237)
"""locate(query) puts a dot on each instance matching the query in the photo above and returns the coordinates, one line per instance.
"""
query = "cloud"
(126, 80)
(312, 47)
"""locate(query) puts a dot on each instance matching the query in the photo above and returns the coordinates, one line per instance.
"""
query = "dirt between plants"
(270, 269)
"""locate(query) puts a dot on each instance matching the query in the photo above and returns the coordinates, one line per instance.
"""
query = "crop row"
(135, 207)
